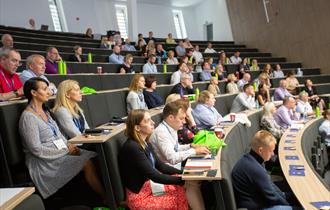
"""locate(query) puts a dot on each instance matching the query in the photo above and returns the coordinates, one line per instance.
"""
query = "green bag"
(209, 139)
(88, 90)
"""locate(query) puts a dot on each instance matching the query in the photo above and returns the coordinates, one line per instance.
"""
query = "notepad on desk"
(198, 164)
(297, 126)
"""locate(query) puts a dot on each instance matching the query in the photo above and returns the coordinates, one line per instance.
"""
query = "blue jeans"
(279, 208)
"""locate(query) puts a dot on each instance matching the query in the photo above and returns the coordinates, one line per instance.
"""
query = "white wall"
(213, 11)
(96, 14)
(18, 12)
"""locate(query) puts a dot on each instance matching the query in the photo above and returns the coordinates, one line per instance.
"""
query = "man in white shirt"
(175, 78)
(235, 59)
(245, 80)
(197, 55)
(303, 105)
(244, 100)
(209, 48)
(150, 66)
(164, 141)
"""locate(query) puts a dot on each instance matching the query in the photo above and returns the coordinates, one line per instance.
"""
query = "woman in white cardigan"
(135, 98)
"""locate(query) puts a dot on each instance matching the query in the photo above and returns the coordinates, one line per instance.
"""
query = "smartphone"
(212, 173)
(193, 173)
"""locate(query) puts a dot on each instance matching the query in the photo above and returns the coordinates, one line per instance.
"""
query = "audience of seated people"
(10, 84)
(116, 57)
(185, 86)
(268, 122)
(151, 97)
(35, 67)
(278, 73)
(164, 141)
(235, 59)
(213, 86)
(292, 83)
(263, 95)
(105, 43)
(281, 92)
(77, 56)
(253, 188)
(312, 94)
(127, 66)
(231, 86)
(135, 97)
(142, 169)
(171, 59)
(209, 48)
(245, 80)
(205, 115)
(150, 67)
(52, 162)
(285, 115)
(324, 128)
(7, 41)
(244, 100)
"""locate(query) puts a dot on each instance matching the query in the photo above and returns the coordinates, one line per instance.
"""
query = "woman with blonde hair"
(135, 97)
(213, 86)
(231, 84)
(67, 111)
(205, 115)
(141, 169)
(268, 122)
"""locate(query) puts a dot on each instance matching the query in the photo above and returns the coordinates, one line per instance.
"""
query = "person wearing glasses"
(10, 84)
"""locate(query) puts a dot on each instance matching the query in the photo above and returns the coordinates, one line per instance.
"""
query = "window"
(121, 14)
(179, 24)
(55, 15)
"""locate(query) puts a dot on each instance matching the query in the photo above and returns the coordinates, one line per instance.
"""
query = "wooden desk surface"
(306, 188)
(16, 199)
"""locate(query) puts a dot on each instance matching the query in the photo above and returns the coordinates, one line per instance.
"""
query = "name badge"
(157, 189)
(59, 143)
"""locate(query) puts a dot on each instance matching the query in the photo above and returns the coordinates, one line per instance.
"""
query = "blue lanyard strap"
(151, 156)
(12, 85)
(48, 123)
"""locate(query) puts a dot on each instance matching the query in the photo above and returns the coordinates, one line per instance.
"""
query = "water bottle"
(305, 113)
(299, 72)
(257, 104)
(318, 112)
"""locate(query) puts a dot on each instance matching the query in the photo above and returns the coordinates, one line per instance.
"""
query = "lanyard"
(78, 124)
(10, 86)
(49, 124)
(151, 156)
(176, 146)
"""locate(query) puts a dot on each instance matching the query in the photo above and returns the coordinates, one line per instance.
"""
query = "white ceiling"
(173, 3)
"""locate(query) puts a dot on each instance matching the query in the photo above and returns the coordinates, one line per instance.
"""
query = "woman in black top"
(314, 98)
(150, 95)
(263, 95)
(141, 169)
(76, 57)
(127, 66)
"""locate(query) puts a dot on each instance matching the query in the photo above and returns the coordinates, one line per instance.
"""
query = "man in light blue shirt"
(115, 57)
(205, 75)
(244, 100)
(245, 80)
(284, 115)
(180, 50)
(281, 92)
(150, 66)
(36, 66)
(128, 46)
